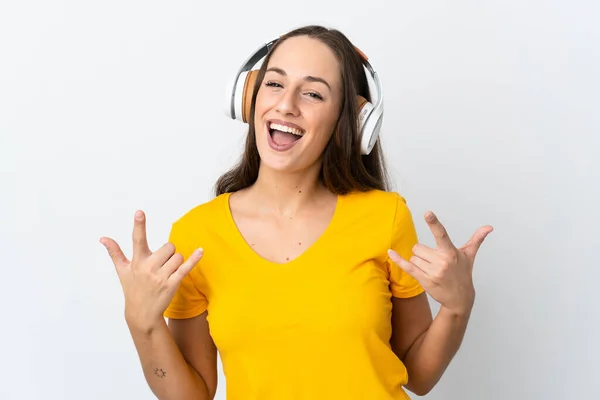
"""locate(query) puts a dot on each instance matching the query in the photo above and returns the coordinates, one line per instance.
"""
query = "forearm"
(431, 353)
(169, 376)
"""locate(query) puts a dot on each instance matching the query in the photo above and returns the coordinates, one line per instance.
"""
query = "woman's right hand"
(149, 280)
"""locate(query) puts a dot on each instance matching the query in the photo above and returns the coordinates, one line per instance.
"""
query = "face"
(297, 105)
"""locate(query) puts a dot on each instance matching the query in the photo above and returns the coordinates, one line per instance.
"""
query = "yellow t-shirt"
(317, 327)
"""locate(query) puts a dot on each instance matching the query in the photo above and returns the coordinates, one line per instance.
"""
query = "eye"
(272, 84)
(315, 95)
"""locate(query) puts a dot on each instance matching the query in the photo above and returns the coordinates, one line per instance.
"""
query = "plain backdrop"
(491, 118)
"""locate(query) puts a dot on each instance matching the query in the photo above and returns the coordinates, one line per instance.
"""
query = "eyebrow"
(306, 78)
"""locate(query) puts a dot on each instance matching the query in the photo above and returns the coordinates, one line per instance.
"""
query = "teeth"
(284, 128)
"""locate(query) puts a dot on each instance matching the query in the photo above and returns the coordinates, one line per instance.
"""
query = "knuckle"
(451, 257)
(437, 276)
(169, 248)
(157, 280)
(178, 258)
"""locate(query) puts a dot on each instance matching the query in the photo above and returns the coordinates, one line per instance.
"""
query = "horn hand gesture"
(149, 280)
(445, 272)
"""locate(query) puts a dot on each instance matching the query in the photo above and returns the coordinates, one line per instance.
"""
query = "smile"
(283, 135)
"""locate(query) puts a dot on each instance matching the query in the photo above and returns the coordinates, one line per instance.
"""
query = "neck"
(286, 193)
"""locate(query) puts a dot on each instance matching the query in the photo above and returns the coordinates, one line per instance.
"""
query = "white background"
(492, 118)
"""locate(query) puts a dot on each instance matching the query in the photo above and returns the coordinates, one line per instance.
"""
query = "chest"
(322, 296)
(281, 240)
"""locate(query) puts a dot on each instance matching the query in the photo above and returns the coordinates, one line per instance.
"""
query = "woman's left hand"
(446, 273)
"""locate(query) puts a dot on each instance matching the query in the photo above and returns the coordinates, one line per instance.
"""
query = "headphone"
(239, 97)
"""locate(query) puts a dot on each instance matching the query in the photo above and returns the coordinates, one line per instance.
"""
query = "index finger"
(439, 232)
(140, 241)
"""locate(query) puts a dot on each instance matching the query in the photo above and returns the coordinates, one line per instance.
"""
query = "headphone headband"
(250, 62)
(238, 93)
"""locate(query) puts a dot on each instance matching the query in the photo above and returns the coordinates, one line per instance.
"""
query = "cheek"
(259, 104)
(264, 101)
(325, 123)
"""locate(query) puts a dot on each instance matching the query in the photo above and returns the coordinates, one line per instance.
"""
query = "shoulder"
(376, 201)
(377, 209)
(202, 218)
(204, 210)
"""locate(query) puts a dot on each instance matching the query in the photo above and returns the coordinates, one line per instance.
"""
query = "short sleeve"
(188, 301)
(403, 239)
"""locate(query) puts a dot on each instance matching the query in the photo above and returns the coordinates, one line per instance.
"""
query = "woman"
(311, 283)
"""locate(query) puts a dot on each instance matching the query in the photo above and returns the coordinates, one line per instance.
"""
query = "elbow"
(420, 391)
(420, 388)
(422, 381)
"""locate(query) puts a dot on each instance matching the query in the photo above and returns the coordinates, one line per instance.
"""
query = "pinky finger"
(410, 268)
(114, 251)
(176, 274)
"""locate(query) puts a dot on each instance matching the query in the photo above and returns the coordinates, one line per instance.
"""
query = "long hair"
(344, 169)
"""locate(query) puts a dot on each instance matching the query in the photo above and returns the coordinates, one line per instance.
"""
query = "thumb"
(472, 246)
(114, 251)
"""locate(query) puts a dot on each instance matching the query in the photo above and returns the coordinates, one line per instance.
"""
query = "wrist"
(143, 325)
(463, 308)
(462, 312)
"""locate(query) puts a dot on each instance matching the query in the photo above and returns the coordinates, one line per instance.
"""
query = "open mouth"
(284, 135)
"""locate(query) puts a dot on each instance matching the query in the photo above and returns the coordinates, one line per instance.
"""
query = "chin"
(281, 161)
(277, 162)
(288, 159)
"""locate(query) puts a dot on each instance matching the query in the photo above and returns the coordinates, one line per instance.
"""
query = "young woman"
(304, 271)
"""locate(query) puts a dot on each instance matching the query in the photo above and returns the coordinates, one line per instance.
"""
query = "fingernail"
(138, 214)
(199, 252)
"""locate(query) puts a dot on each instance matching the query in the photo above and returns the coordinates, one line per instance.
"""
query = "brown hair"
(344, 169)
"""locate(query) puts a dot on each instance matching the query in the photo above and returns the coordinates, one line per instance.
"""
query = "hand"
(446, 273)
(149, 280)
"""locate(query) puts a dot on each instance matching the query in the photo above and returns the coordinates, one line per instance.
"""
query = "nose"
(287, 103)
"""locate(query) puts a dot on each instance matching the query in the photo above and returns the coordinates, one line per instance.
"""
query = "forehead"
(301, 56)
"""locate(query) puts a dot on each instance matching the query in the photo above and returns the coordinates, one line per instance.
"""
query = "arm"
(178, 360)
(179, 363)
(426, 347)
(445, 273)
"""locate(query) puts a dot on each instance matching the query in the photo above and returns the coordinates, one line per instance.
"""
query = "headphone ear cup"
(242, 95)
(246, 96)
(362, 106)
(365, 128)
(369, 122)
